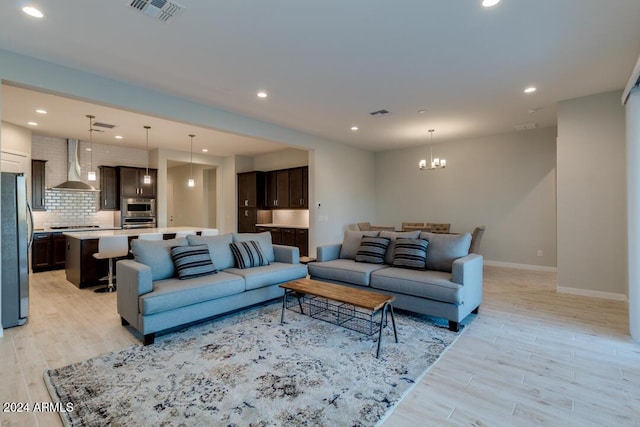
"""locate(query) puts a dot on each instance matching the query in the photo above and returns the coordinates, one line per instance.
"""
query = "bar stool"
(111, 247)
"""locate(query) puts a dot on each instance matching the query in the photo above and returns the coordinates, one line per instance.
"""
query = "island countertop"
(132, 232)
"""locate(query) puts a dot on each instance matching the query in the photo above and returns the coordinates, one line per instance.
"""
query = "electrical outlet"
(539, 252)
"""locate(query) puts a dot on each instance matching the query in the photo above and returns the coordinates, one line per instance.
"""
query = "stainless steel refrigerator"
(17, 231)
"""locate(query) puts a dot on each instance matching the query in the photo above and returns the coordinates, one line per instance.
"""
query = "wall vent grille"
(162, 10)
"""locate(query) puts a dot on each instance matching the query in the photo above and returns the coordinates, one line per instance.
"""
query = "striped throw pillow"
(192, 261)
(248, 254)
(411, 253)
(372, 250)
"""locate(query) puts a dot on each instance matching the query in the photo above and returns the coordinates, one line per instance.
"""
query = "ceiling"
(327, 65)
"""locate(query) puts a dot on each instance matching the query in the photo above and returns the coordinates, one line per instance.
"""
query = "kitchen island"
(83, 270)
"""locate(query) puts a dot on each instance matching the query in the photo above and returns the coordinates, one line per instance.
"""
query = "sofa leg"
(454, 326)
(124, 321)
(477, 310)
(148, 339)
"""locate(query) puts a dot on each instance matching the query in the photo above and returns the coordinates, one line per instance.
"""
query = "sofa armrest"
(467, 271)
(288, 254)
(328, 252)
(134, 279)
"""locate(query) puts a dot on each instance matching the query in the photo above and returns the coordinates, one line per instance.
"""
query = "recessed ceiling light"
(32, 11)
(118, 137)
(354, 128)
(205, 150)
(530, 89)
(262, 94)
(32, 123)
(490, 3)
(422, 111)
(41, 111)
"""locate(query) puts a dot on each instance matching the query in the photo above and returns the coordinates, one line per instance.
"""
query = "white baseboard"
(521, 266)
(593, 294)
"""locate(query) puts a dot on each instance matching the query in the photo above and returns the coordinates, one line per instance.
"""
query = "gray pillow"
(248, 254)
(157, 255)
(410, 253)
(192, 261)
(393, 235)
(351, 242)
(263, 238)
(372, 250)
(445, 248)
(218, 248)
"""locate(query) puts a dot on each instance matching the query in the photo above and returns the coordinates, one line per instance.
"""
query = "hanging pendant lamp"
(436, 163)
(191, 182)
(91, 174)
(147, 178)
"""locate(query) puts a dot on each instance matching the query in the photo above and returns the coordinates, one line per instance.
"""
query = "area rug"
(247, 369)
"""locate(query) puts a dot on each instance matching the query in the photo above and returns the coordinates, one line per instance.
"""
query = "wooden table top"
(359, 297)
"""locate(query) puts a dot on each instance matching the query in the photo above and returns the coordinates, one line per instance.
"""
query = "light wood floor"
(532, 356)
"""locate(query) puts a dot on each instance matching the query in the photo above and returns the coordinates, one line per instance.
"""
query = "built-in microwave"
(138, 207)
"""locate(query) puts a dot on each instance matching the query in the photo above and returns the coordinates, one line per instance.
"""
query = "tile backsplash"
(77, 207)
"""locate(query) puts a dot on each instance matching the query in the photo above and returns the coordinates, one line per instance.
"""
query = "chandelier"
(436, 163)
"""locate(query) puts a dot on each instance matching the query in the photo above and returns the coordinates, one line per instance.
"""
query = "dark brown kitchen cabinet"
(302, 241)
(132, 182)
(277, 189)
(251, 190)
(109, 200)
(299, 188)
(48, 251)
(38, 185)
(247, 218)
(298, 237)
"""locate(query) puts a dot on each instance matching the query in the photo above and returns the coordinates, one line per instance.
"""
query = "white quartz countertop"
(134, 232)
(302, 227)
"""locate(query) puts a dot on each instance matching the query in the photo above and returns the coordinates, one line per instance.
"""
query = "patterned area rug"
(248, 369)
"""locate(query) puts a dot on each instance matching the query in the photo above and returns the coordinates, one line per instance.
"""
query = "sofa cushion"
(445, 248)
(372, 250)
(174, 293)
(344, 270)
(410, 253)
(263, 238)
(274, 273)
(248, 254)
(219, 249)
(192, 261)
(157, 255)
(393, 235)
(351, 242)
(435, 285)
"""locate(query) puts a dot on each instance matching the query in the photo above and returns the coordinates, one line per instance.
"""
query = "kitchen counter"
(82, 269)
(301, 227)
(96, 233)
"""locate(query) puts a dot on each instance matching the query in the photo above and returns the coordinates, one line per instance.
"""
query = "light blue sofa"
(152, 299)
(450, 287)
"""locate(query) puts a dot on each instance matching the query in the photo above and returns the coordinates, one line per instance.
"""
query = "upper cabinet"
(38, 184)
(299, 188)
(277, 189)
(251, 190)
(109, 200)
(132, 182)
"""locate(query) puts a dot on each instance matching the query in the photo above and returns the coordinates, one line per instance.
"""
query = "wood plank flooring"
(531, 357)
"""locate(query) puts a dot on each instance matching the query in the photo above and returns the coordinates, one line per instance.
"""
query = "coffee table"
(356, 309)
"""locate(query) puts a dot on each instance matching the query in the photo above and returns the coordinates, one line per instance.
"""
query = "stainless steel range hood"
(74, 181)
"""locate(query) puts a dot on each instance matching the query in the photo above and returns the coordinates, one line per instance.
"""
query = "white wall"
(283, 159)
(505, 182)
(592, 196)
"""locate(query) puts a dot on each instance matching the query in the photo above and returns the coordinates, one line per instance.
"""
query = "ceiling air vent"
(162, 10)
(526, 126)
(380, 113)
(103, 125)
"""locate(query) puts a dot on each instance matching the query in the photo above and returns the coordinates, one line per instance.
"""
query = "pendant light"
(434, 163)
(191, 182)
(147, 178)
(91, 175)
